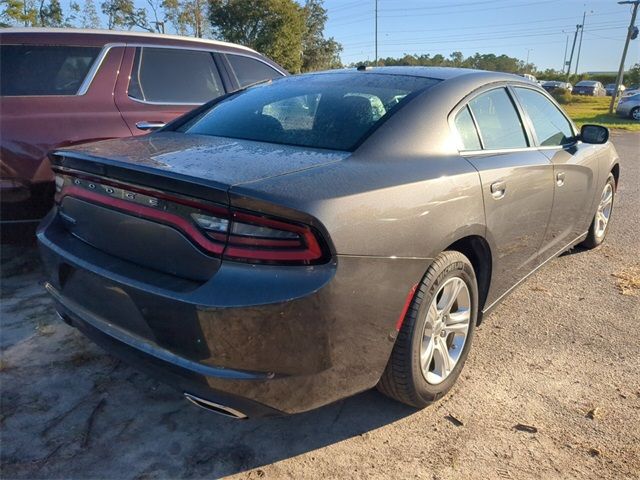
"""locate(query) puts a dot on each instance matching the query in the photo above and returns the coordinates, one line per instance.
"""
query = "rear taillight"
(234, 234)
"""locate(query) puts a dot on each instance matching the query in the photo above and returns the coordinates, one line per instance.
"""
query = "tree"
(71, 19)
(272, 27)
(123, 13)
(90, 18)
(318, 53)
(188, 17)
(50, 15)
(19, 12)
(632, 77)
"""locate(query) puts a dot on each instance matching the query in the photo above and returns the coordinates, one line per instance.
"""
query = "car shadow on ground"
(73, 410)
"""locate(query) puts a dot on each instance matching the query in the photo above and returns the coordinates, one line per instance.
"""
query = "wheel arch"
(615, 170)
(477, 249)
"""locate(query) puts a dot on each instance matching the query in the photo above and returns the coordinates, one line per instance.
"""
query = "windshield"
(585, 83)
(334, 110)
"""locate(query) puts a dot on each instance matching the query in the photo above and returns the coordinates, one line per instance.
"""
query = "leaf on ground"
(628, 281)
(457, 422)
(594, 452)
(521, 427)
(594, 413)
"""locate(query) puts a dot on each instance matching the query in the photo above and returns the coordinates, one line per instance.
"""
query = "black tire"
(633, 113)
(403, 379)
(594, 240)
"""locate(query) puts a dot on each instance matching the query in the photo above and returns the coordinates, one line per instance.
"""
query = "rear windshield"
(585, 83)
(334, 111)
(44, 70)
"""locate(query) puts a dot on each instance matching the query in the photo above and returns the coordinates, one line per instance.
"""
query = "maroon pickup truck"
(61, 87)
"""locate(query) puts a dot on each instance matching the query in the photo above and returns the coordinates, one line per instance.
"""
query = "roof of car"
(440, 73)
(120, 34)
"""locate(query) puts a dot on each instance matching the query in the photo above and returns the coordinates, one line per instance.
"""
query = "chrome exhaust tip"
(215, 407)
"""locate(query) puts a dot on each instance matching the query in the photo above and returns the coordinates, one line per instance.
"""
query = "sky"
(539, 29)
(518, 28)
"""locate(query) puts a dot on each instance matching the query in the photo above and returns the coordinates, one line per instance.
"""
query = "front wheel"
(436, 334)
(635, 114)
(600, 223)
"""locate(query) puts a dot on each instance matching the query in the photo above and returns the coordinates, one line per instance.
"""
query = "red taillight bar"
(306, 249)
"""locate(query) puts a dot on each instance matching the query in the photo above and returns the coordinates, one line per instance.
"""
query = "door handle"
(149, 125)
(498, 189)
(560, 179)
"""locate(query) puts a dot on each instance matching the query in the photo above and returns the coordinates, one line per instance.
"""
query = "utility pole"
(624, 51)
(575, 37)
(584, 15)
(376, 33)
(566, 47)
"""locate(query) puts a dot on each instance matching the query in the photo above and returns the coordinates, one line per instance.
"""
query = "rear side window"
(498, 121)
(44, 69)
(174, 76)
(550, 125)
(249, 70)
(467, 133)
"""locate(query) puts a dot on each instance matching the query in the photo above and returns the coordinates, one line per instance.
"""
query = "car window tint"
(173, 76)
(249, 70)
(44, 70)
(467, 133)
(335, 111)
(497, 120)
(550, 125)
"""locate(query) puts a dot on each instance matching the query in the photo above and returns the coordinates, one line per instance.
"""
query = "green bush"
(563, 97)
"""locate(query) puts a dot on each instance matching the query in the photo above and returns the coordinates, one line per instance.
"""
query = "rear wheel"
(635, 114)
(599, 225)
(435, 337)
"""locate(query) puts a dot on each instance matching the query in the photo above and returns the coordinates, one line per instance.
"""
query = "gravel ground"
(551, 390)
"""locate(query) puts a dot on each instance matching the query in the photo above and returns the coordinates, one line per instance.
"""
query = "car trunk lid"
(144, 199)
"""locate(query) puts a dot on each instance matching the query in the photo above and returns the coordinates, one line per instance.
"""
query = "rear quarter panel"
(405, 192)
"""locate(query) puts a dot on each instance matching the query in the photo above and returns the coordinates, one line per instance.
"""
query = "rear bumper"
(260, 339)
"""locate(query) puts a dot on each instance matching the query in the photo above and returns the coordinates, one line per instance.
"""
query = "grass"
(584, 109)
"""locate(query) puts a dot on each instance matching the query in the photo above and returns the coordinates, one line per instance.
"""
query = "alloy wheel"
(445, 331)
(604, 210)
(635, 114)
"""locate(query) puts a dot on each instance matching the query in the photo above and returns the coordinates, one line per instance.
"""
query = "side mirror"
(595, 134)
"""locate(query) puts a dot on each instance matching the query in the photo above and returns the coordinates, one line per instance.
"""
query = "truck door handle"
(560, 179)
(149, 125)
(498, 189)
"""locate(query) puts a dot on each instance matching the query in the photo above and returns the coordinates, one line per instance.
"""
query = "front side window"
(174, 76)
(44, 69)
(334, 111)
(499, 124)
(466, 130)
(249, 70)
(550, 125)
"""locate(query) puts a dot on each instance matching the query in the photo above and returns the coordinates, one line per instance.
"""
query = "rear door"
(164, 83)
(575, 167)
(517, 183)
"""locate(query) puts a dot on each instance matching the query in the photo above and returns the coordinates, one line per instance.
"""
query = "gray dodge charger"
(300, 241)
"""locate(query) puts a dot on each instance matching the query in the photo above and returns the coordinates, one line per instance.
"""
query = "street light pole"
(624, 51)
(376, 33)
(584, 16)
(566, 47)
(573, 47)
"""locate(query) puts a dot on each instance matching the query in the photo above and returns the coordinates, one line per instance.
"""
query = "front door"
(575, 167)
